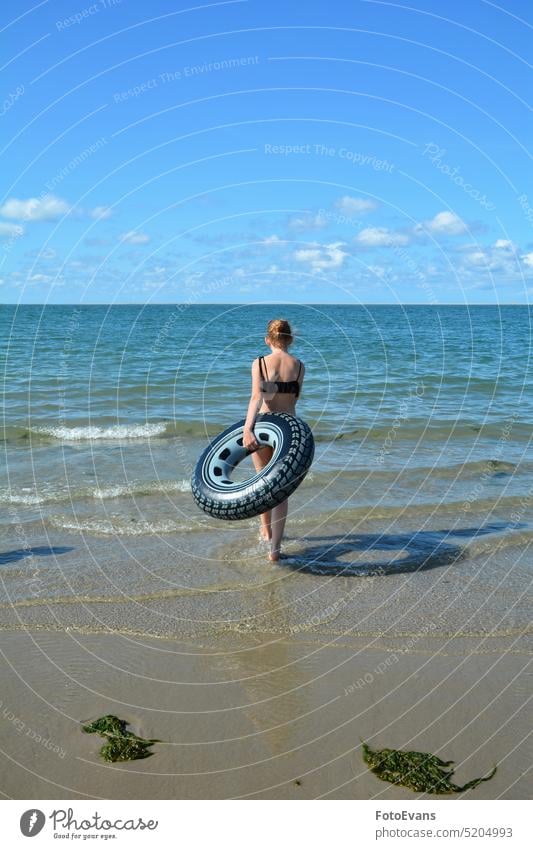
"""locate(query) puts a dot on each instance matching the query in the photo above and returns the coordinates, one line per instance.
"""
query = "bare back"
(281, 367)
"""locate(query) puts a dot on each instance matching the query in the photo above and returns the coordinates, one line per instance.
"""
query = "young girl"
(276, 383)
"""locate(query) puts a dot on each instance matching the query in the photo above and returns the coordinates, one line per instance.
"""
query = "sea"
(422, 417)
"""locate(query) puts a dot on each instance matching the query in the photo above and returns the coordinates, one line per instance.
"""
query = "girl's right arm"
(256, 399)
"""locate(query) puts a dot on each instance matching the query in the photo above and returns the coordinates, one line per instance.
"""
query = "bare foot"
(274, 555)
(264, 535)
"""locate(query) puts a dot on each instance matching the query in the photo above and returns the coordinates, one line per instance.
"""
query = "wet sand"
(259, 716)
(262, 679)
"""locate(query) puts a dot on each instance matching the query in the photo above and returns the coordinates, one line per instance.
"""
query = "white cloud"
(271, 240)
(495, 257)
(477, 258)
(447, 223)
(380, 237)
(132, 237)
(471, 246)
(349, 205)
(308, 222)
(101, 213)
(39, 278)
(47, 253)
(45, 208)
(322, 257)
(157, 271)
(7, 229)
(527, 259)
(504, 245)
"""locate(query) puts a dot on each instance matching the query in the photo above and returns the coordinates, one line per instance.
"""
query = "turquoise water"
(133, 371)
(105, 409)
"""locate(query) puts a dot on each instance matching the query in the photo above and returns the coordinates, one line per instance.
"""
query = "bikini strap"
(261, 364)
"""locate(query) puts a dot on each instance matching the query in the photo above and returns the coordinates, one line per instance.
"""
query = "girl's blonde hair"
(279, 330)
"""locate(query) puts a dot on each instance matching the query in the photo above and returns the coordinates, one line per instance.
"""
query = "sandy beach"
(282, 719)
(264, 684)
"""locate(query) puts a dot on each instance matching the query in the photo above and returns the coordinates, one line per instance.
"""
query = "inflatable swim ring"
(216, 494)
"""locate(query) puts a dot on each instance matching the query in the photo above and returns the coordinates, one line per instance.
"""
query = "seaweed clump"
(121, 745)
(419, 771)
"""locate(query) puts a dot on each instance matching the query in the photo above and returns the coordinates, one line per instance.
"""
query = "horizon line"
(264, 303)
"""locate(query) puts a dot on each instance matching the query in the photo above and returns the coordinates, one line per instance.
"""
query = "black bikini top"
(283, 386)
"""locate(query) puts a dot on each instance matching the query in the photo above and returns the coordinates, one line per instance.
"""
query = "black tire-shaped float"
(216, 494)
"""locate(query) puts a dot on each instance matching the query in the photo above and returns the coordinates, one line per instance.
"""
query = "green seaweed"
(419, 771)
(121, 745)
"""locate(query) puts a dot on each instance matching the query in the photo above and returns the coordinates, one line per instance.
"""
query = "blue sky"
(358, 152)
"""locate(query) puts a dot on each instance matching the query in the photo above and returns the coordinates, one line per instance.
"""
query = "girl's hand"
(249, 441)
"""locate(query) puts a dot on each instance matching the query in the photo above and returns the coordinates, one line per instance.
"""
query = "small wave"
(469, 469)
(148, 488)
(140, 488)
(20, 435)
(489, 465)
(428, 430)
(27, 500)
(82, 432)
(107, 527)
(416, 509)
(509, 537)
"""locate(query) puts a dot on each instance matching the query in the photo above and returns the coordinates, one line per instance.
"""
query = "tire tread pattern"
(276, 486)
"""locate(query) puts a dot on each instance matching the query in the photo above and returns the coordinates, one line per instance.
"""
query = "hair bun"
(279, 330)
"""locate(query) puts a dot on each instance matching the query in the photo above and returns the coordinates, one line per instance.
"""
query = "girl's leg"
(260, 458)
(278, 519)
